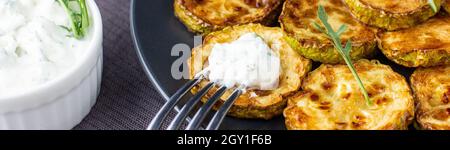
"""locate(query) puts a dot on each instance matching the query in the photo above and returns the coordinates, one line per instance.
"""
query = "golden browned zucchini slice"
(204, 16)
(331, 100)
(392, 14)
(296, 20)
(256, 103)
(432, 92)
(425, 45)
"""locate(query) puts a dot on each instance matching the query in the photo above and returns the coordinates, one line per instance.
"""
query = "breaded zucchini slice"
(425, 45)
(298, 16)
(392, 14)
(331, 99)
(432, 92)
(255, 103)
(205, 16)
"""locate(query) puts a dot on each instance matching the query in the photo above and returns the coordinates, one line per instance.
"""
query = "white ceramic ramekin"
(63, 102)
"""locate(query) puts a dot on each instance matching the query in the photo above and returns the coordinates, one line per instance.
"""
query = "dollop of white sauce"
(34, 47)
(247, 62)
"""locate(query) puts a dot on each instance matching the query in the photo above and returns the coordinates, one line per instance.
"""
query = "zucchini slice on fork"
(256, 104)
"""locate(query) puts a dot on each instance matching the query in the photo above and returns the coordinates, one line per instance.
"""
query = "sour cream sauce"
(248, 62)
(34, 47)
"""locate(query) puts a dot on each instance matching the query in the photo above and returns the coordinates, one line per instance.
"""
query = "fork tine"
(220, 114)
(164, 111)
(203, 111)
(179, 118)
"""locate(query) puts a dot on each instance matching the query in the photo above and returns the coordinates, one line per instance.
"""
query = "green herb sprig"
(343, 51)
(433, 5)
(79, 17)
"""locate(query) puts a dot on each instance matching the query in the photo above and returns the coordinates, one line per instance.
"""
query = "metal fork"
(200, 115)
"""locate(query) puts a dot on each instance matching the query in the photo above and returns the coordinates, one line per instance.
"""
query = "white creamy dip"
(34, 48)
(247, 62)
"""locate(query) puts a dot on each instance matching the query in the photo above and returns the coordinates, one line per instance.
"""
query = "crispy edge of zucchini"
(255, 112)
(419, 124)
(250, 111)
(192, 23)
(382, 19)
(400, 124)
(417, 58)
(328, 54)
(196, 25)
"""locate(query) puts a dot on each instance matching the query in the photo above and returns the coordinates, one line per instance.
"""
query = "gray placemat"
(127, 99)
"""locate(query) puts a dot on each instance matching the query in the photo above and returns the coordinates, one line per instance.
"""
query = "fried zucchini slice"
(331, 99)
(392, 14)
(432, 92)
(205, 16)
(298, 16)
(425, 45)
(255, 103)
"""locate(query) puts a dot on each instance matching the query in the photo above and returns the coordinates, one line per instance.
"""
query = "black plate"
(156, 30)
